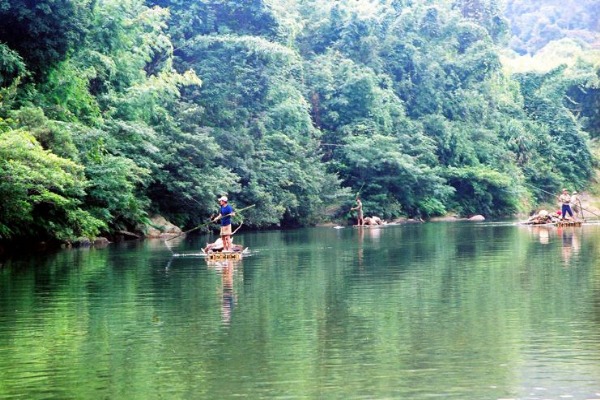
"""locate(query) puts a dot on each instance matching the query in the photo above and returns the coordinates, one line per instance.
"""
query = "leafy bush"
(41, 192)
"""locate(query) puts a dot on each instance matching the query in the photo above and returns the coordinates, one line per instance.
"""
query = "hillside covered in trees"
(112, 111)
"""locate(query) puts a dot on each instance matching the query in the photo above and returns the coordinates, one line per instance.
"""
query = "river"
(425, 311)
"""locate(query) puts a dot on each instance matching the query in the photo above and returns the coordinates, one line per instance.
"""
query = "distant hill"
(535, 23)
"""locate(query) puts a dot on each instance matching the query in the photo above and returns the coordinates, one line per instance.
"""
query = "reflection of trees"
(440, 298)
(451, 305)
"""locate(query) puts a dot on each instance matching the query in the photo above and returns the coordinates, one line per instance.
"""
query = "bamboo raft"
(568, 223)
(225, 255)
(556, 223)
(220, 256)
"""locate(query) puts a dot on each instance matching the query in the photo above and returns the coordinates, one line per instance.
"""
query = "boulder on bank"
(160, 227)
(82, 242)
(447, 218)
(98, 242)
(374, 220)
(477, 218)
(404, 220)
(101, 242)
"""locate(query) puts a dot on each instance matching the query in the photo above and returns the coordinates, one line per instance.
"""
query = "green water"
(439, 310)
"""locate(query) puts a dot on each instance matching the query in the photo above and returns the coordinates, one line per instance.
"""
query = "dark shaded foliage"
(43, 32)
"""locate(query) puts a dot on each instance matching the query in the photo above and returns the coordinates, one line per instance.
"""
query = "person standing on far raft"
(565, 200)
(225, 215)
(359, 212)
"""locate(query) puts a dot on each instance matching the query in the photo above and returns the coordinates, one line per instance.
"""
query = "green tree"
(41, 192)
(12, 67)
(43, 32)
(252, 100)
(370, 142)
(210, 17)
(482, 190)
(544, 95)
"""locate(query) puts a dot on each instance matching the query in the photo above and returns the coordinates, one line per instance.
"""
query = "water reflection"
(227, 269)
(568, 238)
(543, 232)
(570, 242)
(448, 311)
(361, 252)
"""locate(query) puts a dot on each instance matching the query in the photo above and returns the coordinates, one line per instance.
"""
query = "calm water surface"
(432, 311)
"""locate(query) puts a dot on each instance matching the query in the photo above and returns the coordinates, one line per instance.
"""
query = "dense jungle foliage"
(112, 111)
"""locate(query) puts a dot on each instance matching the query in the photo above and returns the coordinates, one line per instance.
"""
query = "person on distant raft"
(359, 212)
(565, 200)
(225, 215)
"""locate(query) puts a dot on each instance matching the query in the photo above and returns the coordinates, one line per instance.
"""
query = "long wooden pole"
(208, 223)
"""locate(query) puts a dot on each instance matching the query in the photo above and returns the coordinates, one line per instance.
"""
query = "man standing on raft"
(565, 200)
(359, 212)
(225, 215)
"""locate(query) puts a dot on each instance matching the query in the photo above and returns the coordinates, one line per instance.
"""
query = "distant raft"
(565, 223)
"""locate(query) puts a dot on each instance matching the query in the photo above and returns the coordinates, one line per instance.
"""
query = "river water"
(431, 311)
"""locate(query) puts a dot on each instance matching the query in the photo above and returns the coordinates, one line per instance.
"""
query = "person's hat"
(574, 192)
(565, 190)
(223, 198)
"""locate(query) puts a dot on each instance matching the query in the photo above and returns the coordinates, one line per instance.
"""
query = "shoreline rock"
(159, 227)
(477, 218)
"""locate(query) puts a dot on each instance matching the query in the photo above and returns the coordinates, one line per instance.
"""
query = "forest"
(113, 111)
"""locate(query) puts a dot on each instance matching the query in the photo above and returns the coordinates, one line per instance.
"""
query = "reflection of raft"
(374, 226)
(531, 223)
(552, 224)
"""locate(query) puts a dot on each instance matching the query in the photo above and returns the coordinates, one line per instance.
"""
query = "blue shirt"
(226, 210)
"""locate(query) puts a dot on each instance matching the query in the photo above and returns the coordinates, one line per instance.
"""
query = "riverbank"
(160, 228)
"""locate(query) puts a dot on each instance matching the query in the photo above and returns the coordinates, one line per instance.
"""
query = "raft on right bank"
(544, 218)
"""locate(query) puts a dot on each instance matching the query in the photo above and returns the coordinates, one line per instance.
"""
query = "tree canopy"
(111, 112)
